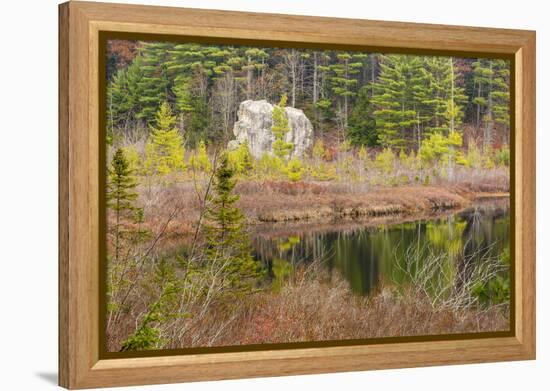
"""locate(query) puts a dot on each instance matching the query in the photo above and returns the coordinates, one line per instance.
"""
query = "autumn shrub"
(384, 161)
(199, 160)
(294, 169)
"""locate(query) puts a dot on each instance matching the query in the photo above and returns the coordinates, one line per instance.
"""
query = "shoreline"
(271, 211)
(301, 227)
(379, 203)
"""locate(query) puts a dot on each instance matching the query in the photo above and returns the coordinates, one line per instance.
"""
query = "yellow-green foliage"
(344, 146)
(445, 237)
(362, 154)
(502, 156)
(270, 166)
(319, 150)
(407, 161)
(323, 172)
(280, 127)
(402, 155)
(384, 161)
(294, 169)
(473, 157)
(199, 160)
(347, 167)
(411, 162)
(241, 159)
(282, 270)
(164, 151)
(133, 158)
(438, 147)
(319, 169)
(488, 161)
(461, 158)
(289, 243)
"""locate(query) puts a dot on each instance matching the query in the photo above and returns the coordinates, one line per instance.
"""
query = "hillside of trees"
(370, 99)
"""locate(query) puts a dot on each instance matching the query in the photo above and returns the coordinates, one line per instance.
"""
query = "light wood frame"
(79, 25)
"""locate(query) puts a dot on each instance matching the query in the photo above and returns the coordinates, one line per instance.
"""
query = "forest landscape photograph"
(263, 195)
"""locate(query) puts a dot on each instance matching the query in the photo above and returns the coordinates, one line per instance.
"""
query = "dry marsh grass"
(282, 201)
(319, 308)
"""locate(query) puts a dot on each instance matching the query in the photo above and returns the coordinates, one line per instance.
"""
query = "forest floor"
(265, 203)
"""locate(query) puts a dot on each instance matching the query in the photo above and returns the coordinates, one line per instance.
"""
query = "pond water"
(367, 256)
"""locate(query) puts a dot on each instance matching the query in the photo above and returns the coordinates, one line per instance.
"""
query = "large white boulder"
(254, 126)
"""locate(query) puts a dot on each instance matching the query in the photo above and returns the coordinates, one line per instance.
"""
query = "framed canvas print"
(254, 195)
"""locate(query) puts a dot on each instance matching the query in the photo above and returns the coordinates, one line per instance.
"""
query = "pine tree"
(184, 100)
(123, 95)
(492, 84)
(241, 159)
(397, 112)
(199, 161)
(343, 84)
(442, 150)
(165, 307)
(280, 127)
(126, 233)
(121, 196)
(362, 126)
(164, 150)
(294, 169)
(441, 97)
(192, 67)
(226, 238)
(155, 83)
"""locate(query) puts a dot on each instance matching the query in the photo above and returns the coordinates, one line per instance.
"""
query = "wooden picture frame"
(80, 27)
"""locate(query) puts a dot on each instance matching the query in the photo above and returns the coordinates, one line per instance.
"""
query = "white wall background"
(28, 194)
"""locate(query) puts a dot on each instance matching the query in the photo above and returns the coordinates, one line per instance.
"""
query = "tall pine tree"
(227, 241)
(121, 197)
(343, 83)
(398, 107)
(155, 83)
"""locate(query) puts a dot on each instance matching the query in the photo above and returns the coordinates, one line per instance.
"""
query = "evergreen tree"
(397, 112)
(226, 238)
(164, 151)
(123, 99)
(343, 83)
(362, 126)
(442, 150)
(155, 83)
(192, 68)
(199, 161)
(126, 233)
(492, 85)
(280, 127)
(294, 169)
(184, 100)
(121, 196)
(241, 159)
(147, 334)
(441, 97)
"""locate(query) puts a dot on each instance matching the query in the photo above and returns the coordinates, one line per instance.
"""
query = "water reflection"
(367, 256)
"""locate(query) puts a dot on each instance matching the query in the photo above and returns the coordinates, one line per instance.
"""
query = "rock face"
(254, 125)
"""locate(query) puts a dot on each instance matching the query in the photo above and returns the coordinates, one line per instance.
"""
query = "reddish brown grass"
(322, 310)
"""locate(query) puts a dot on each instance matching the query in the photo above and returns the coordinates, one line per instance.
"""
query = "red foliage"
(121, 52)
